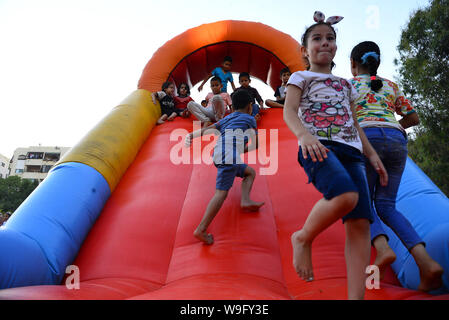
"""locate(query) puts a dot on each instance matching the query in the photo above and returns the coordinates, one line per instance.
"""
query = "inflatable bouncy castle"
(117, 213)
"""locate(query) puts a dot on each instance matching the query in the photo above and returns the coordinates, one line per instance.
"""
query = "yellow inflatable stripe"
(111, 146)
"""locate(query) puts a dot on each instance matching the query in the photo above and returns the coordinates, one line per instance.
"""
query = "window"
(19, 170)
(45, 169)
(3, 164)
(50, 156)
(35, 155)
(33, 169)
(22, 157)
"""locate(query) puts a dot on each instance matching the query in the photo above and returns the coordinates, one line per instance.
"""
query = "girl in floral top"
(379, 100)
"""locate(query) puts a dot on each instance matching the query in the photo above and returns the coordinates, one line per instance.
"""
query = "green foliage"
(424, 76)
(13, 191)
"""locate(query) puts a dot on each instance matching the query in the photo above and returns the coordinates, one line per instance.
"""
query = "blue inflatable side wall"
(427, 209)
(46, 232)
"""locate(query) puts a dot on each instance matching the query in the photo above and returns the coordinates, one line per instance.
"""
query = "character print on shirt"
(331, 117)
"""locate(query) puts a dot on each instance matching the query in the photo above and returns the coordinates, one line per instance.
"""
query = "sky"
(65, 64)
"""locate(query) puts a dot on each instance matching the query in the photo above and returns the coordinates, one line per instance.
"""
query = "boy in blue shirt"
(224, 73)
(234, 133)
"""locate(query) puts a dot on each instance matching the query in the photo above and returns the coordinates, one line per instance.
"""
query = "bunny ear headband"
(318, 16)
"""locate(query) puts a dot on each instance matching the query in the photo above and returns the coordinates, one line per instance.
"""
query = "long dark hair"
(305, 38)
(187, 88)
(365, 54)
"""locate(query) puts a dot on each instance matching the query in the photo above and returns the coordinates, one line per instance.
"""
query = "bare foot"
(251, 205)
(302, 256)
(431, 277)
(206, 124)
(207, 238)
(383, 259)
(160, 121)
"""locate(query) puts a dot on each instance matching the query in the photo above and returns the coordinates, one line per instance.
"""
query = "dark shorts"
(169, 111)
(226, 174)
(343, 171)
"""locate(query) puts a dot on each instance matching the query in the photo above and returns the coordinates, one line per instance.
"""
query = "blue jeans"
(391, 146)
(256, 109)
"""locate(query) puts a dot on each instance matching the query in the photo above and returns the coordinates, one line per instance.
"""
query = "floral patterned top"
(325, 107)
(377, 109)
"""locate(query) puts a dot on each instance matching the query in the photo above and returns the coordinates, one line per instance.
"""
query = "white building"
(34, 162)
(4, 166)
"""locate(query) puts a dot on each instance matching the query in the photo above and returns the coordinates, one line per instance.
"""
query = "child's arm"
(233, 86)
(154, 97)
(204, 81)
(370, 152)
(196, 134)
(409, 120)
(254, 142)
(310, 144)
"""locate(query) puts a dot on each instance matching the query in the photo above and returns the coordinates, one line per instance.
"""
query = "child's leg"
(198, 111)
(211, 211)
(357, 255)
(273, 104)
(172, 116)
(162, 119)
(430, 271)
(385, 256)
(219, 107)
(323, 214)
(247, 183)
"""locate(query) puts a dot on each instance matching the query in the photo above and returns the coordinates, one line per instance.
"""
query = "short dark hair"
(240, 99)
(216, 79)
(227, 58)
(205, 101)
(166, 84)
(284, 70)
(243, 75)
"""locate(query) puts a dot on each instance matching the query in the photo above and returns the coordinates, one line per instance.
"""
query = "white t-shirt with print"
(325, 108)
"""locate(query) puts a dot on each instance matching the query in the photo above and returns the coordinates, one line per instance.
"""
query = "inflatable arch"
(117, 212)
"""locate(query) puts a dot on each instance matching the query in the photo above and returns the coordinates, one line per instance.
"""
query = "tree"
(13, 191)
(424, 76)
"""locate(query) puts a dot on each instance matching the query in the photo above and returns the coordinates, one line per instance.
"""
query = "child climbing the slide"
(245, 80)
(280, 91)
(182, 99)
(166, 99)
(319, 110)
(379, 100)
(224, 73)
(217, 104)
(235, 132)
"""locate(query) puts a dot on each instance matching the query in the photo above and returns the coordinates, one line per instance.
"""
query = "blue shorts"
(226, 174)
(343, 171)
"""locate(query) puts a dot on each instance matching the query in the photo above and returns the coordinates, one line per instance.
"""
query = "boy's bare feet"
(160, 121)
(206, 124)
(251, 205)
(302, 256)
(430, 276)
(384, 258)
(207, 238)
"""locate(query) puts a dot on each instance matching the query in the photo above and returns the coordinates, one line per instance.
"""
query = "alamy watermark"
(267, 154)
(72, 281)
(373, 20)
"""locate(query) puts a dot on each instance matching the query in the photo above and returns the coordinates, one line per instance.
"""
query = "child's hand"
(188, 140)
(380, 169)
(200, 88)
(154, 99)
(312, 146)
